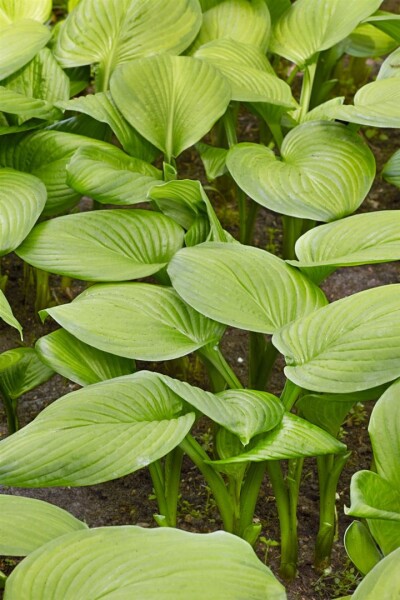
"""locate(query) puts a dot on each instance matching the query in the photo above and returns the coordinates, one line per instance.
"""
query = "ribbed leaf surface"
(391, 171)
(21, 370)
(110, 176)
(292, 438)
(352, 344)
(310, 26)
(137, 320)
(160, 563)
(26, 524)
(242, 286)
(382, 582)
(101, 432)
(213, 159)
(13, 53)
(301, 184)
(26, 107)
(13, 10)
(79, 362)
(22, 198)
(171, 100)
(106, 245)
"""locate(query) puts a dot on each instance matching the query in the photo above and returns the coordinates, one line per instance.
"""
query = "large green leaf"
(26, 524)
(372, 497)
(7, 315)
(13, 53)
(360, 547)
(382, 582)
(137, 320)
(121, 31)
(111, 176)
(79, 362)
(14, 10)
(22, 198)
(352, 344)
(292, 438)
(101, 432)
(21, 370)
(12, 102)
(375, 105)
(310, 26)
(388, 22)
(106, 245)
(242, 286)
(301, 184)
(367, 41)
(102, 108)
(140, 563)
(322, 410)
(391, 170)
(237, 20)
(171, 100)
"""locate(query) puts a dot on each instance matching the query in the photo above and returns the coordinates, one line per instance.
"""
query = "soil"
(130, 500)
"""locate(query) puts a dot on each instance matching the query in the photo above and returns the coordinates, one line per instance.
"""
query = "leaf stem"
(212, 355)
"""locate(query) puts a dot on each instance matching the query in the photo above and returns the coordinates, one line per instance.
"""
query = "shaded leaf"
(7, 315)
(360, 547)
(21, 370)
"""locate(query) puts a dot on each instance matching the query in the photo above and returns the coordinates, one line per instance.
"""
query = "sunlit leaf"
(14, 10)
(13, 54)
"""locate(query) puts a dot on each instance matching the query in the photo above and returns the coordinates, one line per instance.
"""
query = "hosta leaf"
(13, 53)
(79, 362)
(277, 7)
(137, 320)
(321, 112)
(242, 286)
(391, 170)
(22, 198)
(171, 100)
(145, 563)
(360, 547)
(352, 344)
(119, 32)
(366, 41)
(375, 105)
(391, 66)
(213, 159)
(384, 431)
(301, 185)
(250, 77)
(79, 78)
(26, 524)
(309, 26)
(111, 176)
(387, 22)
(21, 370)
(292, 438)
(382, 582)
(324, 412)
(237, 20)
(102, 108)
(106, 245)
(357, 240)
(45, 154)
(7, 315)
(15, 103)
(13, 10)
(101, 432)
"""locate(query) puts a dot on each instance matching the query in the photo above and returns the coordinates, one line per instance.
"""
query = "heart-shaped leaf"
(21, 370)
(137, 320)
(13, 54)
(360, 547)
(391, 170)
(309, 26)
(350, 345)
(119, 32)
(13, 10)
(382, 582)
(171, 100)
(79, 362)
(109, 245)
(7, 315)
(26, 524)
(301, 185)
(110, 176)
(187, 565)
(101, 432)
(242, 286)
(22, 198)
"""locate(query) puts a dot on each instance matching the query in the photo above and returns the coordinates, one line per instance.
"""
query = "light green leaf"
(309, 26)
(102, 108)
(300, 184)
(13, 54)
(391, 170)
(26, 107)
(292, 438)
(160, 563)
(27, 524)
(389, 22)
(119, 32)
(324, 412)
(22, 198)
(373, 497)
(360, 547)
(350, 345)
(382, 582)
(21, 370)
(14, 10)
(79, 362)
(321, 112)
(237, 20)
(171, 100)
(110, 176)
(98, 433)
(106, 245)
(368, 41)
(242, 286)
(391, 66)
(7, 315)
(213, 159)
(137, 320)
(375, 105)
